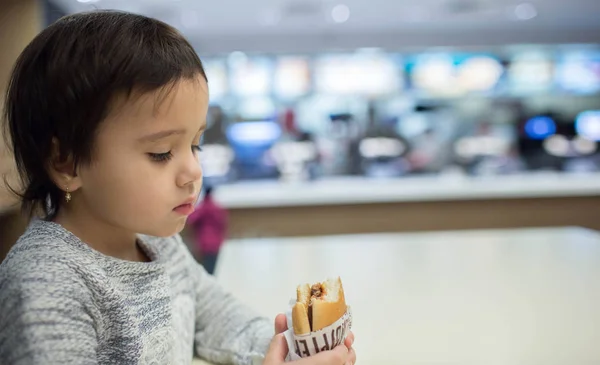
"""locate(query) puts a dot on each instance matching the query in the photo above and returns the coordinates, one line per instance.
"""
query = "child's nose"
(192, 172)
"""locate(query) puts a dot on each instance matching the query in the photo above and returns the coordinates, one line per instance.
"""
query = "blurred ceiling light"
(584, 146)
(88, 1)
(237, 57)
(251, 133)
(470, 147)
(216, 160)
(294, 152)
(340, 13)
(587, 125)
(479, 73)
(525, 11)
(557, 145)
(540, 127)
(435, 74)
(370, 50)
(381, 147)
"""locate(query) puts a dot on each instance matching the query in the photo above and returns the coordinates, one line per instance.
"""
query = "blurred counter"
(360, 205)
(410, 189)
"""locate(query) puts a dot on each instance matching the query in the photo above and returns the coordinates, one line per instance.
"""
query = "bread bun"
(318, 306)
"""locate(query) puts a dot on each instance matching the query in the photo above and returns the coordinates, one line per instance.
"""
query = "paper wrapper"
(312, 343)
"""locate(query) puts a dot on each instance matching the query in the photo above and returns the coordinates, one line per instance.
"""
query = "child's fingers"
(337, 356)
(349, 341)
(280, 323)
(351, 357)
(278, 350)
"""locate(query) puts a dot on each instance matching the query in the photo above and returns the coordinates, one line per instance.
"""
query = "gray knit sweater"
(61, 302)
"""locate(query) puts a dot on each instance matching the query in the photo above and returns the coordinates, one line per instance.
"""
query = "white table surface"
(516, 297)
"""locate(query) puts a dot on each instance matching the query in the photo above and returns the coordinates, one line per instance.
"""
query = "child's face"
(145, 163)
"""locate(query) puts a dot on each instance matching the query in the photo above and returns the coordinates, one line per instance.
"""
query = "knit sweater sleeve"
(226, 331)
(45, 313)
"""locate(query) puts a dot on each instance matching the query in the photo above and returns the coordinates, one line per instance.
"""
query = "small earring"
(67, 195)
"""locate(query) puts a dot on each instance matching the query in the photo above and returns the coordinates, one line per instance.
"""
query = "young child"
(104, 111)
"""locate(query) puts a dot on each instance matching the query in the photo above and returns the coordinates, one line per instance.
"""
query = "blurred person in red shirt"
(209, 225)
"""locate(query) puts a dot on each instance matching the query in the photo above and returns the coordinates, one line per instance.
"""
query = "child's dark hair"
(64, 83)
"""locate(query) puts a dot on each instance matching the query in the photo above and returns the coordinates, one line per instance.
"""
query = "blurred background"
(355, 116)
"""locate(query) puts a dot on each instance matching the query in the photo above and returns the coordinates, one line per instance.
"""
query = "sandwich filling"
(317, 291)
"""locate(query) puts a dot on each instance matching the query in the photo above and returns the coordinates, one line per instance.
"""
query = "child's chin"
(165, 231)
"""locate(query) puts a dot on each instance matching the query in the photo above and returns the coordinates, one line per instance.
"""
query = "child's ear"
(62, 169)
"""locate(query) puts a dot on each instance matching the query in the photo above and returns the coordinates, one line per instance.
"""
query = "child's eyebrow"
(160, 135)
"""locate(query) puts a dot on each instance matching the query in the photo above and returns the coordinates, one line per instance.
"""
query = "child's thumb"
(280, 323)
(278, 350)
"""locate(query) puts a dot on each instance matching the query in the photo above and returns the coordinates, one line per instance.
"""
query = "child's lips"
(184, 209)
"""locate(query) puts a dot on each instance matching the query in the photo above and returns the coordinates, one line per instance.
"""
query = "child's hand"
(341, 355)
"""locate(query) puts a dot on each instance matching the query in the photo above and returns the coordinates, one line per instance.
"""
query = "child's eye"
(196, 148)
(161, 157)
